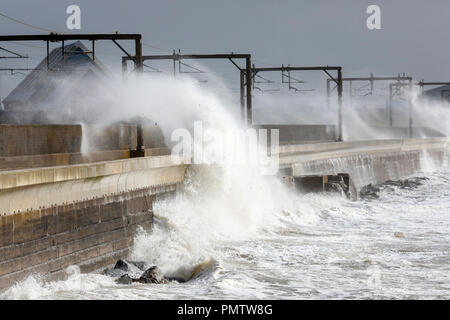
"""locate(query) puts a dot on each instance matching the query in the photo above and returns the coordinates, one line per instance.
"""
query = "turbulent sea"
(243, 238)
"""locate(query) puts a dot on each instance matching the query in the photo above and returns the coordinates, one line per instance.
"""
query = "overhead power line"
(17, 55)
(24, 23)
(26, 45)
(155, 47)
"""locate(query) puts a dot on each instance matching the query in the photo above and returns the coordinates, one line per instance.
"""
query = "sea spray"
(224, 204)
(242, 235)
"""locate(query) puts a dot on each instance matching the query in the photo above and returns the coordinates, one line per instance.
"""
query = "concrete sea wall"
(84, 214)
(91, 234)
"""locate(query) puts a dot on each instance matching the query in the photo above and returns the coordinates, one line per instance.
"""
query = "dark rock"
(128, 272)
(115, 273)
(410, 183)
(141, 265)
(122, 265)
(125, 279)
(152, 275)
(369, 192)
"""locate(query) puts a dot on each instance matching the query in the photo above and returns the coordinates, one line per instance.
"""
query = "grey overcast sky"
(414, 37)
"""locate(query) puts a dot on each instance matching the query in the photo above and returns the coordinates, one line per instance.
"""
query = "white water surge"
(310, 246)
(240, 235)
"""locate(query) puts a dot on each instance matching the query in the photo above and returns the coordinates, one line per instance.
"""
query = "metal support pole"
(248, 69)
(339, 79)
(140, 150)
(63, 55)
(48, 55)
(174, 60)
(140, 138)
(390, 105)
(139, 66)
(242, 85)
(124, 68)
(289, 79)
(93, 50)
(139, 62)
(410, 124)
(371, 83)
(328, 93)
(351, 92)
(253, 77)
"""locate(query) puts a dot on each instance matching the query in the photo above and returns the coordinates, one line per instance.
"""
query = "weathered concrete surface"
(20, 140)
(22, 190)
(26, 177)
(289, 134)
(31, 140)
(366, 162)
(84, 214)
(91, 234)
(64, 207)
(60, 159)
(367, 132)
(32, 117)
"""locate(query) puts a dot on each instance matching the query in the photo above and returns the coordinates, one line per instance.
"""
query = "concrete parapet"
(39, 139)
(21, 140)
(291, 134)
(26, 177)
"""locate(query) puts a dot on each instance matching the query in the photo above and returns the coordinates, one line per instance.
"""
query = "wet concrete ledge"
(364, 162)
(26, 177)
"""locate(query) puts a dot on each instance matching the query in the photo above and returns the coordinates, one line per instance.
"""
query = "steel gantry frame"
(397, 86)
(325, 69)
(423, 84)
(57, 37)
(114, 37)
(245, 73)
(14, 55)
(371, 80)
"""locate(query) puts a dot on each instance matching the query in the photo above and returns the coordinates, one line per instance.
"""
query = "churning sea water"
(244, 238)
